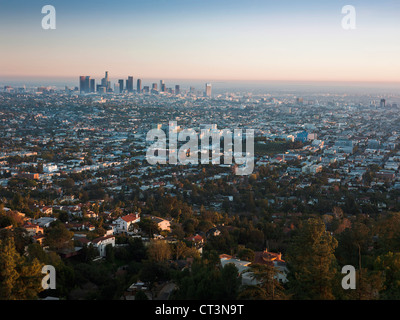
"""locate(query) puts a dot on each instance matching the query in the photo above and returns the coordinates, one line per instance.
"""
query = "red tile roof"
(102, 238)
(265, 257)
(130, 217)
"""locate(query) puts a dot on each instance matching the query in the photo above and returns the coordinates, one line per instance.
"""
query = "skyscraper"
(129, 84)
(139, 86)
(154, 89)
(162, 86)
(383, 103)
(207, 93)
(92, 85)
(121, 85)
(117, 88)
(84, 84)
(177, 89)
(105, 82)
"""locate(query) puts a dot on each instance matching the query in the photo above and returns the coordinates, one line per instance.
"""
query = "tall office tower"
(207, 93)
(192, 90)
(121, 85)
(117, 88)
(139, 86)
(154, 88)
(101, 89)
(177, 89)
(84, 84)
(92, 85)
(129, 84)
(162, 86)
(383, 103)
(105, 82)
(87, 84)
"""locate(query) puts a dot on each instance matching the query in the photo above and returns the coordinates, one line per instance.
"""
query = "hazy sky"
(202, 39)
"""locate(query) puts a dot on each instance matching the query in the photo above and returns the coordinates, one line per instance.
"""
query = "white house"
(48, 168)
(122, 224)
(44, 222)
(102, 242)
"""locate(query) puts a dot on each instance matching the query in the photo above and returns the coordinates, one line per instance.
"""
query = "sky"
(281, 40)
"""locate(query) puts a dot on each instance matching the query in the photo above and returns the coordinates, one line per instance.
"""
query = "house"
(385, 175)
(213, 232)
(74, 226)
(81, 239)
(109, 230)
(241, 265)
(91, 214)
(38, 239)
(164, 225)
(89, 226)
(102, 242)
(33, 229)
(273, 259)
(45, 222)
(68, 198)
(122, 224)
(197, 239)
(46, 210)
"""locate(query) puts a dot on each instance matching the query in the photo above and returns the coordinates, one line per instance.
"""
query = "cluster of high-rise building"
(88, 85)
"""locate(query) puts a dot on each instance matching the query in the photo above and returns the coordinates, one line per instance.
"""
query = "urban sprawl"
(77, 192)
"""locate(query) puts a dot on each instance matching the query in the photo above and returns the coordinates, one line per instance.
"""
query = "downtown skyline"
(223, 41)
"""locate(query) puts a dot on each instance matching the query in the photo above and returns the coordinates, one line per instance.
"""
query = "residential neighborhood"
(76, 183)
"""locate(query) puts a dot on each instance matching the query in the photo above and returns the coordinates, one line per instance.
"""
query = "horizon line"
(48, 77)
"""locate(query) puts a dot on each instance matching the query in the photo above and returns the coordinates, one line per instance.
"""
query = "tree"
(267, 286)
(159, 251)
(179, 249)
(389, 265)
(352, 243)
(58, 237)
(149, 226)
(153, 273)
(140, 295)
(312, 263)
(205, 281)
(229, 282)
(110, 253)
(388, 230)
(136, 249)
(20, 279)
(246, 254)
